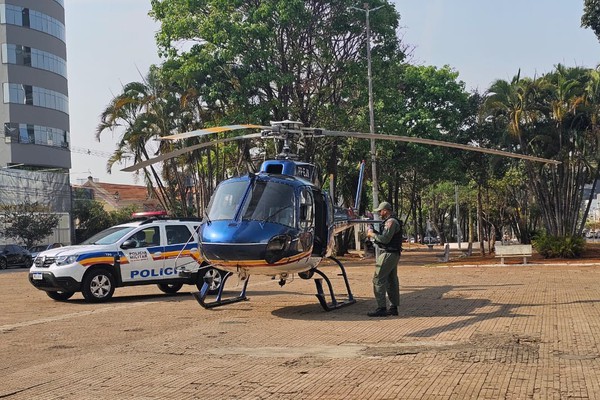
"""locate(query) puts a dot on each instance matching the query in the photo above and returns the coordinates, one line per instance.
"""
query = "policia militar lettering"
(385, 278)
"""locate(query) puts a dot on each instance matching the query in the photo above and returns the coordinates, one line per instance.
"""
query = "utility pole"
(371, 110)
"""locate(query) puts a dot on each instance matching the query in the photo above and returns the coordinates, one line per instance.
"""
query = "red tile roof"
(117, 196)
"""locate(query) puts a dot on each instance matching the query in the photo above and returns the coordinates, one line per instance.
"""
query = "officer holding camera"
(385, 279)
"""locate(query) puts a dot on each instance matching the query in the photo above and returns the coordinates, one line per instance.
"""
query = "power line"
(74, 149)
(90, 152)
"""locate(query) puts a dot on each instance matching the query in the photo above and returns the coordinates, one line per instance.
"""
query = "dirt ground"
(467, 329)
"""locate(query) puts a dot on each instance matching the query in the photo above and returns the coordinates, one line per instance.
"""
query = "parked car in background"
(12, 255)
(431, 240)
(35, 250)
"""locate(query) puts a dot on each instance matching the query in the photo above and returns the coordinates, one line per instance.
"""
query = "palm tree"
(547, 117)
(141, 113)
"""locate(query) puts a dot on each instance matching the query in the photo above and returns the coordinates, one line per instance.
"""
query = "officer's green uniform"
(385, 278)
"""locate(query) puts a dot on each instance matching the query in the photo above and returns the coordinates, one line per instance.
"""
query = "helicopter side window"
(226, 200)
(306, 209)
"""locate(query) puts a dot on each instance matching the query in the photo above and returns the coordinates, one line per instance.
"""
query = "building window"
(30, 57)
(35, 96)
(36, 134)
(28, 18)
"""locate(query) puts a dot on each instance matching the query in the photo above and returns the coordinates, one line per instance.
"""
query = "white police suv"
(135, 253)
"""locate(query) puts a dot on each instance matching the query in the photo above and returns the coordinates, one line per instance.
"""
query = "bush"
(28, 223)
(559, 246)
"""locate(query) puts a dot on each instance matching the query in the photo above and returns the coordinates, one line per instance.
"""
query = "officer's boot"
(380, 312)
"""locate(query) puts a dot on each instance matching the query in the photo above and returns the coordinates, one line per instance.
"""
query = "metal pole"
(371, 110)
(371, 113)
(371, 107)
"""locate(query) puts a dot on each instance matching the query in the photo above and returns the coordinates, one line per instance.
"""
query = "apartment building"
(35, 107)
(34, 150)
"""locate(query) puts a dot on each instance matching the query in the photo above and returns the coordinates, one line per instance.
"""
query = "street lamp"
(371, 111)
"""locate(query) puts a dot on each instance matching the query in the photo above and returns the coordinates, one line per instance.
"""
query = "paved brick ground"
(514, 332)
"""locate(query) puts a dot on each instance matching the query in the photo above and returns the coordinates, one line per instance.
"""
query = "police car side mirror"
(129, 244)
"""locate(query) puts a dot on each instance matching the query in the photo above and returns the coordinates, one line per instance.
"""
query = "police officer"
(385, 278)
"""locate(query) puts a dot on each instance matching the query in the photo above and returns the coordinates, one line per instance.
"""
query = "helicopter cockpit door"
(306, 218)
(321, 224)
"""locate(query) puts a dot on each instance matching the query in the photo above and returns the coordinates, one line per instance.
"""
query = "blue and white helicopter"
(279, 222)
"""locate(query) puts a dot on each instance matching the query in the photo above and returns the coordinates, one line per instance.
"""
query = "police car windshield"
(109, 236)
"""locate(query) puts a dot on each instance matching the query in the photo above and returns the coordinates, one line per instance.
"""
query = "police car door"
(145, 261)
(181, 249)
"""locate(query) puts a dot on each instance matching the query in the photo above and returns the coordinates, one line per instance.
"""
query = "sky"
(111, 43)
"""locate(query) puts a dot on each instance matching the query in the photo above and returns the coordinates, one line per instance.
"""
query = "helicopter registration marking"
(303, 171)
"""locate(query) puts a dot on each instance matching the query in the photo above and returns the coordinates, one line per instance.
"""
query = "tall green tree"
(90, 217)
(272, 59)
(142, 112)
(131, 115)
(550, 117)
(28, 223)
(427, 102)
(276, 60)
(591, 16)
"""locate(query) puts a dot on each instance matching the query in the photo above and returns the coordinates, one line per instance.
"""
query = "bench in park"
(513, 250)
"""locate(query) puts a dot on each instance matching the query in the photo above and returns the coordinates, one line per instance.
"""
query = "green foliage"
(28, 223)
(246, 62)
(305, 60)
(591, 16)
(271, 60)
(559, 246)
(90, 216)
(552, 116)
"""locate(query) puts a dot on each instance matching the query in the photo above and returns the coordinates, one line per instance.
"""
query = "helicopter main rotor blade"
(208, 131)
(179, 152)
(410, 139)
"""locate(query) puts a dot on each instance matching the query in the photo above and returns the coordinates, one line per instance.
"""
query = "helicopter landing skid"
(219, 301)
(335, 304)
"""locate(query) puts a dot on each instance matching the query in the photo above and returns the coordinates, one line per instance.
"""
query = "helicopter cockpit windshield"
(267, 201)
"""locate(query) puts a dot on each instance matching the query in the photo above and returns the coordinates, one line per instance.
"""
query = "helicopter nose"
(246, 242)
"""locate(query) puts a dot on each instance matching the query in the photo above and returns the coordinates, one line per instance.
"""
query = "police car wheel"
(28, 262)
(212, 276)
(3, 263)
(98, 286)
(60, 296)
(170, 288)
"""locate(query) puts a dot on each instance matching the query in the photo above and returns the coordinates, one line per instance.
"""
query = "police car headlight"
(66, 260)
